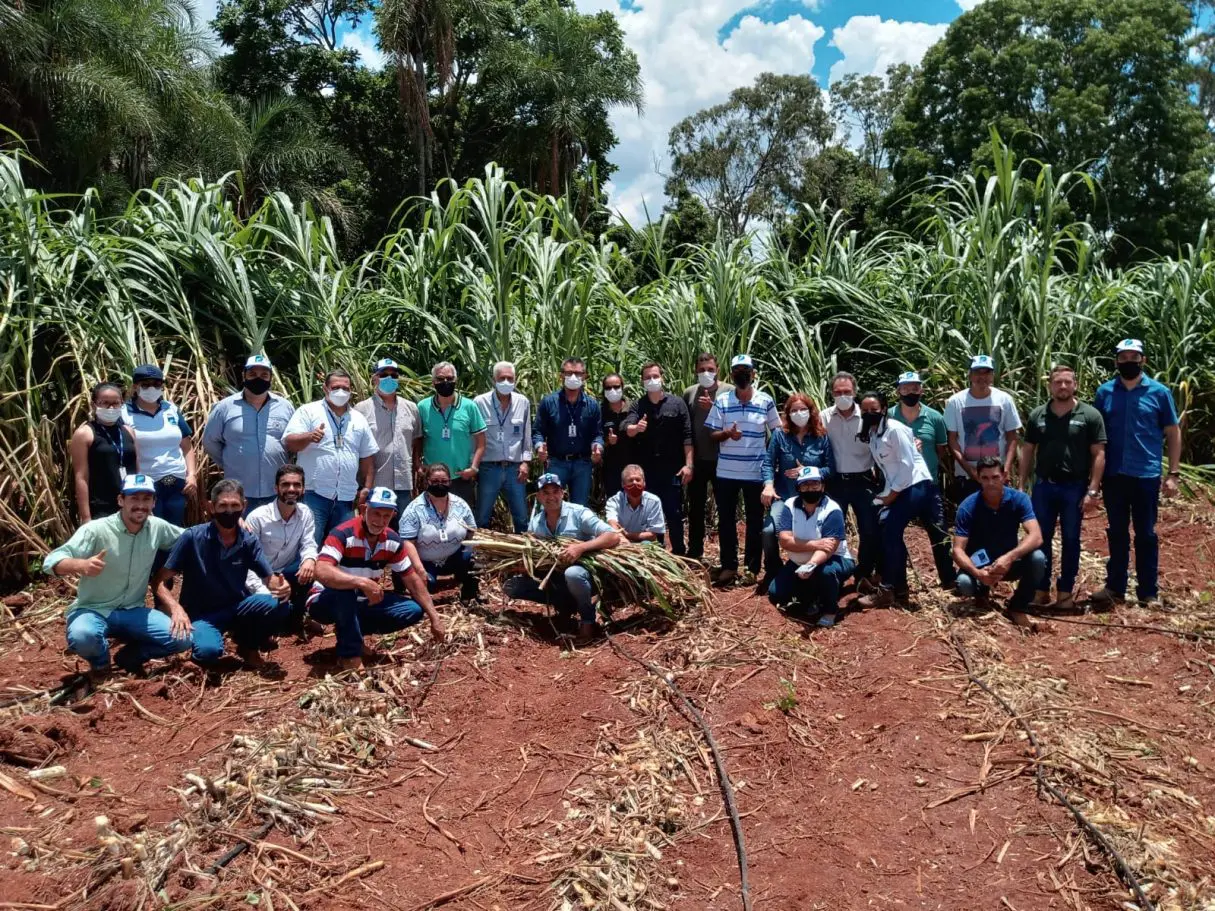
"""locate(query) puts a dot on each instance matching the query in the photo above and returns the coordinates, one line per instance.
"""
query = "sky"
(694, 52)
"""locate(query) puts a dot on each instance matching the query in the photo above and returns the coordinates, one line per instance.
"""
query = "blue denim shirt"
(784, 452)
(246, 442)
(1135, 420)
(554, 415)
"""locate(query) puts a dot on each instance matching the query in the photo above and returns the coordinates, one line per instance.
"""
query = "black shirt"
(112, 448)
(615, 456)
(668, 431)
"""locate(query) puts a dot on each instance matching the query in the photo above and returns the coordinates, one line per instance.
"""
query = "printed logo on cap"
(549, 478)
(741, 360)
(982, 362)
(809, 473)
(1130, 344)
(909, 377)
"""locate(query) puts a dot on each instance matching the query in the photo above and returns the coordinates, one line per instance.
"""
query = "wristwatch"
(1093, 493)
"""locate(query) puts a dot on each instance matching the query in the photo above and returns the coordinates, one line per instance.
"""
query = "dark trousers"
(920, 502)
(1132, 501)
(1028, 572)
(251, 623)
(354, 617)
(821, 590)
(727, 491)
(704, 473)
(171, 502)
(1062, 504)
(460, 565)
(670, 491)
(465, 490)
(856, 493)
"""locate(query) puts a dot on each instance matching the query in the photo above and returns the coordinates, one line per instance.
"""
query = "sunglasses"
(617, 386)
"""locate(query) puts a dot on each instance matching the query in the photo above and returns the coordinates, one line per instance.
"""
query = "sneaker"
(865, 586)
(726, 577)
(826, 621)
(882, 597)
(1065, 601)
(1106, 599)
(1042, 599)
(1153, 604)
(746, 577)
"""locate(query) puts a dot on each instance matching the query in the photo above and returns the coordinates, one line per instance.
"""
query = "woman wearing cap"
(103, 454)
(618, 446)
(164, 443)
(437, 523)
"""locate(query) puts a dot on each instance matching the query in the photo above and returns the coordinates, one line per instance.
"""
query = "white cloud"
(870, 44)
(371, 56)
(204, 11)
(968, 5)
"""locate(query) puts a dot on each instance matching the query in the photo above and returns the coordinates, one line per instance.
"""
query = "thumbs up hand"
(93, 566)
(318, 433)
(735, 433)
(637, 428)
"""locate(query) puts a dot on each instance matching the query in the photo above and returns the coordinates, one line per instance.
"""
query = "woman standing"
(164, 443)
(103, 454)
(617, 445)
(801, 442)
(437, 523)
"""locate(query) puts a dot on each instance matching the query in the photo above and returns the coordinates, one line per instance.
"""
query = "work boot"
(1106, 599)
(1065, 601)
(1042, 599)
(726, 577)
(882, 597)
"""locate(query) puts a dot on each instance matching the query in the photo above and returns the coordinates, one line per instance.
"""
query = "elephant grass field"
(488, 271)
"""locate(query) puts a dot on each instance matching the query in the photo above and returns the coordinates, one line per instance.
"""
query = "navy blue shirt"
(554, 417)
(993, 530)
(212, 576)
(1134, 422)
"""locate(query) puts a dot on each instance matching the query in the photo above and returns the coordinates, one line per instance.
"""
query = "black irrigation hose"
(723, 777)
(1194, 635)
(1125, 873)
(240, 848)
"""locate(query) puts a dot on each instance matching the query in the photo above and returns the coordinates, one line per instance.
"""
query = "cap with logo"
(909, 376)
(147, 372)
(809, 473)
(385, 363)
(382, 498)
(742, 360)
(138, 483)
(258, 360)
(982, 362)
(1129, 344)
(548, 478)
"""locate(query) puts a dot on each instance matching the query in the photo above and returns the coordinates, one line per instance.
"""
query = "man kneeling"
(811, 531)
(347, 592)
(214, 560)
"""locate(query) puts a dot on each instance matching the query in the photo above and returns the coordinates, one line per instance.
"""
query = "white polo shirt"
(332, 471)
(827, 521)
(743, 459)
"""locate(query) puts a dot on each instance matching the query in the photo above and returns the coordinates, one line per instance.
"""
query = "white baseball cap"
(909, 376)
(382, 498)
(982, 362)
(810, 473)
(385, 363)
(138, 483)
(258, 360)
(1129, 344)
(742, 360)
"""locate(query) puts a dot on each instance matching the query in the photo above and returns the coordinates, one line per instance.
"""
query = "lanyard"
(440, 518)
(505, 415)
(575, 413)
(116, 441)
(450, 411)
(339, 428)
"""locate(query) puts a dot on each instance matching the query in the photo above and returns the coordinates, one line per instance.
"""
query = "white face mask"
(653, 384)
(613, 395)
(573, 382)
(150, 394)
(109, 415)
(844, 402)
(707, 378)
(800, 418)
(338, 397)
(504, 387)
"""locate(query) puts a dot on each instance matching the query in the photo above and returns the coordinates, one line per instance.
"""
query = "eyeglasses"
(391, 373)
(151, 384)
(445, 379)
(616, 386)
(573, 373)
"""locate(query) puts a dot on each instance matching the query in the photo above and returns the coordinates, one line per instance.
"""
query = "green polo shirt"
(461, 420)
(1063, 442)
(929, 429)
(128, 561)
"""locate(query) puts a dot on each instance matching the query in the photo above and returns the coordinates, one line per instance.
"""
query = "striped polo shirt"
(349, 547)
(743, 459)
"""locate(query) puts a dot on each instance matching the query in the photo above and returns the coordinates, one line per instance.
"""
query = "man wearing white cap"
(113, 558)
(926, 423)
(396, 425)
(981, 421)
(347, 591)
(244, 432)
(811, 530)
(740, 421)
(1138, 413)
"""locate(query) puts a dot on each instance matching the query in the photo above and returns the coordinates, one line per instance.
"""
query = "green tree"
(870, 103)
(1098, 84)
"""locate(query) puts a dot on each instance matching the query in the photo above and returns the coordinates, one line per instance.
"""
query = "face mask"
(445, 388)
(388, 385)
(911, 399)
(613, 395)
(870, 419)
(226, 519)
(652, 385)
(573, 382)
(504, 387)
(109, 415)
(257, 385)
(707, 378)
(742, 379)
(799, 418)
(1130, 369)
(339, 397)
(150, 394)
(439, 489)
(844, 402)
(811, 496)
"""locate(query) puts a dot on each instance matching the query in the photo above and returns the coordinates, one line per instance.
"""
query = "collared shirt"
(1135, 420)
(704, 444)
(743, 459)
(332, 471)
(895, 453)
(436, 535)
(1064, 442)
(929, 428)
(618, 455)
(851, 455)
(826, 521)
(285, 542)
(569, 430)
(981, 424)
(646, 517)
(358, 554)
(246, 442)
(213, 575)
(993, 530)
(158, 439)
(575, 522)
(668, 431)
(785, 452)
(394, 430)
(508, 432)
(128, 561)
(447, 433)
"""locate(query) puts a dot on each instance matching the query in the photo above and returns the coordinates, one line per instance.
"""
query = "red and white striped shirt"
(349, 547)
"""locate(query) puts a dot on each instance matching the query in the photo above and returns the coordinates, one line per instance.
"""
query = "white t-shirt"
(330, 470)
(981, 424)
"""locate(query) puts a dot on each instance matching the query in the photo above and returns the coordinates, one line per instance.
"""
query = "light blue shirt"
(158, 439)
(575, 522)
(646, 517)
(437, 536)
(247, 442)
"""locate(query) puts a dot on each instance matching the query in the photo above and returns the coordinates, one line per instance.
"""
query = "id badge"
(573, 431)
(447, 433)
(122, 473)
(442, 535)
(980, 559)
(501, 436)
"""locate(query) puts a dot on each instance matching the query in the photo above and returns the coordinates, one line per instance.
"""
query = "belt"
(571, 458)
(1077, 480)
(168, 481)
(855, 475)
(503, 463)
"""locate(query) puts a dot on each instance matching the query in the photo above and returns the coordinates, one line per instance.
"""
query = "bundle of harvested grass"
(643, 574)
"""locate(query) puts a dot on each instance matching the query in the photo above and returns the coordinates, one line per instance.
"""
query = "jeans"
(252, 622)
(146, 633)
(568, 592)
(404, 498)
(820, 590)
(920, 501)
(327, 514)
(171, 502)
(857, 493)
(251, 503)
(772, 562)
(460, 564)
(1060, 503)
(354, 617)
(1030, 570)
(1130, 501)
(726, 491)
(670, 492)
(576, 476)
(704, 473)
(499, 478)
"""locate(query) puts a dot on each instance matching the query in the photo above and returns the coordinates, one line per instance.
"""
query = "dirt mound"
(38, 740)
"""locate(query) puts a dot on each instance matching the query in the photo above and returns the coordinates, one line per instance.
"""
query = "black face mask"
(257, 385)
(911, 399)
(742, 379)
(869, 422)
(445, 388)
(810, 497)
(438, 490)
(226, 519)
(1130, 369)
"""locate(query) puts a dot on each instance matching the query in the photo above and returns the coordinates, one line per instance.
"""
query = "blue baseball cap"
(382, 498)
(548, 478)
(258, 360)
(1129, 344)
(138, 483)
(909, 376)
(147, 372)
(385, 363)
(982, 362)
(810, 473)
(742, 360)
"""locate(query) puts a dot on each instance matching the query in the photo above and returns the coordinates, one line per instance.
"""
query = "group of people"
(316, 501)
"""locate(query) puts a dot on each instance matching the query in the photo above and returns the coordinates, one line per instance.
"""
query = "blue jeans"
(670, 492)
(576, 476)
(820, 591)
(354, 617)
(568, 592)
(327, 514)
(460, 564)
(1030, 570)
(772, 562)
(727, 490)
(921, 501)
(1061, 504)
(171, 502)
(497, 478)
(1132, 501)
(251, 503)
(147, 634)
(252, 622)
(856, 493)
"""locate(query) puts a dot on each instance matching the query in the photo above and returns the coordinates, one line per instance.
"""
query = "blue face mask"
(388, 385)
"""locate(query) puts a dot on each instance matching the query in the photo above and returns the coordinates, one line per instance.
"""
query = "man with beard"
(113, 557)
(286, 532)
